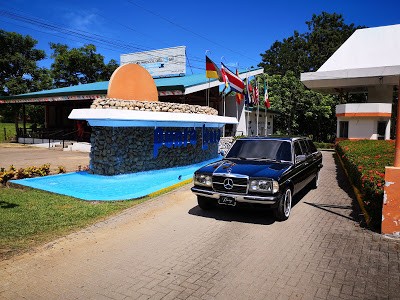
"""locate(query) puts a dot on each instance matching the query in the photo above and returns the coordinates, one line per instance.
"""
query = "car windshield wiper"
(266, 159)
(236, 157)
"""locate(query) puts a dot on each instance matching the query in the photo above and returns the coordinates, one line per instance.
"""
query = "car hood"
(273, 170)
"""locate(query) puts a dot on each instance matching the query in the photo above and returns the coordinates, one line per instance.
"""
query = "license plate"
(227, 201)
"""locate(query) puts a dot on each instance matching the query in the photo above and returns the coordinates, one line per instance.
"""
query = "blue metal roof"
(163, 84)
(89, 87)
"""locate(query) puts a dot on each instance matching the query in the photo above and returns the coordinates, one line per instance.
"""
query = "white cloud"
(82, 21)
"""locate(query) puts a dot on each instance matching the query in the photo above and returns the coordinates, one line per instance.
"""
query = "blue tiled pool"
(109, 188)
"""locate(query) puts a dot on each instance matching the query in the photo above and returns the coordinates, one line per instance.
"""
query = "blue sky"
(238, 31)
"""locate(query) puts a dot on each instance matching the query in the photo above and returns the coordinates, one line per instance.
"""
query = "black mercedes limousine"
(260, 170)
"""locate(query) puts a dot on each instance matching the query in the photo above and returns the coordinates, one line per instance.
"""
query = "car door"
(309, 162)
(316, 157)
(300, 176)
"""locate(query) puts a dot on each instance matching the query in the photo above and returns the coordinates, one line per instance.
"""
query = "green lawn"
(7, 131)
(32, 217)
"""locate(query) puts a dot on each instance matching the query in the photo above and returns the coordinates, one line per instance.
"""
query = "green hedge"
(321, 145)
(365, 162)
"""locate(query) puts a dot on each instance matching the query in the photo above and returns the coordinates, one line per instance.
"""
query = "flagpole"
(258, 103)
(209, 83)
(208, 92)
(265, 108)
(223, 97)
(246, 119)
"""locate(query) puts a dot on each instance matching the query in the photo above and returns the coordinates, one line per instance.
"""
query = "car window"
(261, 149)
(312, 146)
(297, 148)
(305, 147)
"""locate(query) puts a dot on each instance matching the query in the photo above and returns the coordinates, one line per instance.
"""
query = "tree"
(303, 111)
(79, 65)
(327, 32)
(308, 51)
(288, 55)
(19, 72)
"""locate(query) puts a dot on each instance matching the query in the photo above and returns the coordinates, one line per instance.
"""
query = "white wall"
(252, 119)
(364, 108)
(246, 116)
(364, 128)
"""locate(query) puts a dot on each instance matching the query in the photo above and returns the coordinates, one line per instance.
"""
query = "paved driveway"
(168, 248)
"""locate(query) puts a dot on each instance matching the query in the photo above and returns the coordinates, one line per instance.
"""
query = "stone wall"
(121, 150)
(152, 106)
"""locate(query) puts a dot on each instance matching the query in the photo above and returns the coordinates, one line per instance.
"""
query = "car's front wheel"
(282, 212)
(206, 203)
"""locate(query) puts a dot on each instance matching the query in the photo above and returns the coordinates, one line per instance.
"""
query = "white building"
(369, 61)
(247, 118)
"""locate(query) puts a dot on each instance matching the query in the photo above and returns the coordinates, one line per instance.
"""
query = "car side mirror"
(300, 158)
(222, 152)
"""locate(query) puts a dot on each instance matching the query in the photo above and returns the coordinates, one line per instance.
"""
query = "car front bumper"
(245, 198)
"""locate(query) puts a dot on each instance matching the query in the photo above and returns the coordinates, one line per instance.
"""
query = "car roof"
(280, 138)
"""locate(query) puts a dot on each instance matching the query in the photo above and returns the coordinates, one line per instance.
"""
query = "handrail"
(54, 133)
(67, 134)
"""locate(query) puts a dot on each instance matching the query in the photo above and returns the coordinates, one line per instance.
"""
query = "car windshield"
(261, 150)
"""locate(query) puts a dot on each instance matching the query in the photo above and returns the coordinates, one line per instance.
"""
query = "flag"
(239, 96)
(266, 97)
(248, 94)
(224, 78)
(212, 71)
(256, 95)
(235, 82)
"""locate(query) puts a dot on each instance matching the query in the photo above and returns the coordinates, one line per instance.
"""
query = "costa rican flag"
(235, 82)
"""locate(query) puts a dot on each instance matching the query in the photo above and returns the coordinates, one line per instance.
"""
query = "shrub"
(61, 170)
(321, 145)
(365, 162)
(28, 172)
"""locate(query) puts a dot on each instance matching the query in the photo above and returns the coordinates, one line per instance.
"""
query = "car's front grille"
(225, 184)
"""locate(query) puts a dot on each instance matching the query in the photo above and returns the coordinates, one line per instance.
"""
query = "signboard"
(160, 63)
(176, 138)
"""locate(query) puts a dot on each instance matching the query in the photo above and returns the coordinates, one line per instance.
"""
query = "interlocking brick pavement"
(167, 248)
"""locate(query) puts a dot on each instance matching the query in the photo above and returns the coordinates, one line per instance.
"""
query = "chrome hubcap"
(288, 202)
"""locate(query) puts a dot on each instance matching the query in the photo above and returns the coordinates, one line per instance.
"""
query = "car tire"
(282, 212)
(206, 203)
(315, 181)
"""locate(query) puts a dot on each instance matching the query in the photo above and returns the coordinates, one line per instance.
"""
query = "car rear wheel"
(282, 212)
(206, 203)
(315, 181)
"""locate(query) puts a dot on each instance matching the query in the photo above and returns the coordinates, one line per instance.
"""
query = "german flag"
(212, 71)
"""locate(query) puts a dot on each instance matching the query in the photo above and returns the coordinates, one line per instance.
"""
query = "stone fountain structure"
(132, 131)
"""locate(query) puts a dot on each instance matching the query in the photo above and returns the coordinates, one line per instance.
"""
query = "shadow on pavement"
(326, 207)
(253, 214)
(342, 210)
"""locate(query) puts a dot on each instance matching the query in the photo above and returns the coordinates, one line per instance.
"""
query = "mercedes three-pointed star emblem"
(228, 183)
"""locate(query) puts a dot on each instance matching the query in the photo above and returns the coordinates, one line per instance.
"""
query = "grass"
(7, 131)
(32, 217)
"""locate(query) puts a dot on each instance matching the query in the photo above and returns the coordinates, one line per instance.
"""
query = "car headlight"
(201, 179)
(268, 186)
